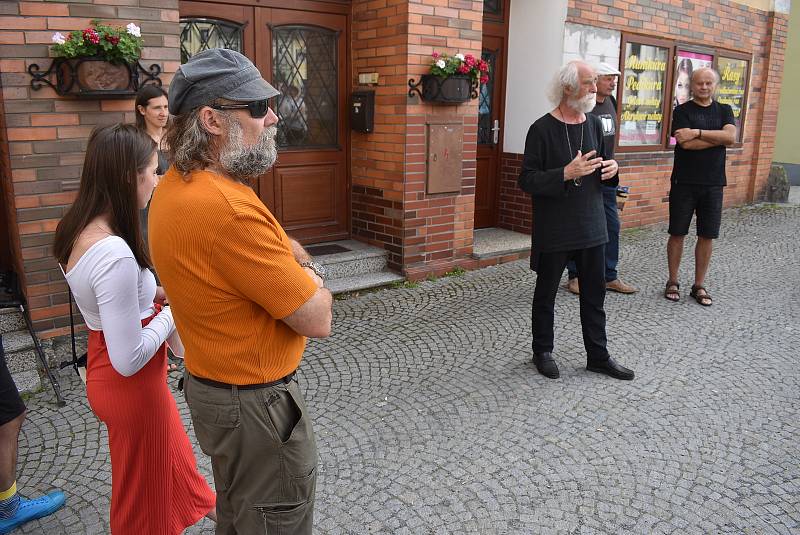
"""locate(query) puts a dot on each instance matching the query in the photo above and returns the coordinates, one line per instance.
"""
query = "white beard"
(583, 105)
(246, 163)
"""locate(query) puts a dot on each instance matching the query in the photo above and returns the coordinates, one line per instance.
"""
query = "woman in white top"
(156, 487)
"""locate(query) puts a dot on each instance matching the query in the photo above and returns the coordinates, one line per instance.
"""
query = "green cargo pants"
(263, 455)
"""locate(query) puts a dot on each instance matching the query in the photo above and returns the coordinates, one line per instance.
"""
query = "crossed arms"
(696, 139)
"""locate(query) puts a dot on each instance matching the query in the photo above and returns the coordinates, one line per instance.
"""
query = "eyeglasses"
(257, 108)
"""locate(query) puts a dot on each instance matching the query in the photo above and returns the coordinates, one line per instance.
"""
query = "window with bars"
(304, 64)
(485, 101)
(198, 34)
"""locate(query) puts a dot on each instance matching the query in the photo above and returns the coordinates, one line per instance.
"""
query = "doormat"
(321, 250)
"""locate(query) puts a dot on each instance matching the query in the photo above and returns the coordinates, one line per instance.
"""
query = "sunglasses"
(258, 108)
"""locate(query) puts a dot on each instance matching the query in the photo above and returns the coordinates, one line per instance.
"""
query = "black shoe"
(612, 369)
(546, 365)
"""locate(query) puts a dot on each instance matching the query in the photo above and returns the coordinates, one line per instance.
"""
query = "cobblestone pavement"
(431, 418)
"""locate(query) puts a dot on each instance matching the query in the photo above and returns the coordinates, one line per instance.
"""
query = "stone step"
(17, 341)
(346, 258)
(27, 381)
(364, 281)
(11, 320)
(491, 242)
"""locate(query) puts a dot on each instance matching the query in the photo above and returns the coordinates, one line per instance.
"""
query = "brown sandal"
(704, 298)
(672, 289)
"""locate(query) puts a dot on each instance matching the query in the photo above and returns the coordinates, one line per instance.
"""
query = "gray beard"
(247, 163)
(584, 105)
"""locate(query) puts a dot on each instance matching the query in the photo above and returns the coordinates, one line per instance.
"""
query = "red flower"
(435, 55)
(113, 39)
(483, 66)
(91, 35)
(484, 79)
(469, 59)
(463, 69)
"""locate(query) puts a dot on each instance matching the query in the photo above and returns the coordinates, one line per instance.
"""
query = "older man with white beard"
(243, 294)
(563, 172)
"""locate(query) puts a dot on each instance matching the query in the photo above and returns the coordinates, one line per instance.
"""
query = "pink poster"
(686, 63)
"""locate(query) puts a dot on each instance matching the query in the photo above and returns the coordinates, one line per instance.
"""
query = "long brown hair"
(115, 157)
(143, 97)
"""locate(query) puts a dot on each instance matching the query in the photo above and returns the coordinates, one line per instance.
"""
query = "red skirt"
(155, 486)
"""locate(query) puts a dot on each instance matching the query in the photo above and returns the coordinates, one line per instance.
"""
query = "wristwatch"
(319, 269)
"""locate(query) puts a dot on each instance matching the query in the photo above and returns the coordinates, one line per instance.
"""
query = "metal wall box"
(362, 111)
(445, 150)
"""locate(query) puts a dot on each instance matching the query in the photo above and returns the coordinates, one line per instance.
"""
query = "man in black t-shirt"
(563, 170)
(702, 128)
(606, 110)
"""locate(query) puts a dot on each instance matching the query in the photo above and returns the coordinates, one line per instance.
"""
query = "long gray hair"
(566, 77)
(191, 146)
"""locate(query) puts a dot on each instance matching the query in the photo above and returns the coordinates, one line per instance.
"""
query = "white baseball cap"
(604, 69)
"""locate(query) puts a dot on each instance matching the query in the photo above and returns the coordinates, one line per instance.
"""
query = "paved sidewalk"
(431, 418)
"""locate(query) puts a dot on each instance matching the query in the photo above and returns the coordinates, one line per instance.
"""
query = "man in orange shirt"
(244, 296)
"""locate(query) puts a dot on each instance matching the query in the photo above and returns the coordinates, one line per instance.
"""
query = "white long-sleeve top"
(114, 295)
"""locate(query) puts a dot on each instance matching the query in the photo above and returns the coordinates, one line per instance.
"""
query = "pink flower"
(463, 69)
(483, 66)
(113, 39)
(435, 55)
(484, 79)
(91, 35)
(469, 59)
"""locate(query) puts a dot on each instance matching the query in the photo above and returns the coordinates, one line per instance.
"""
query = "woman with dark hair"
(152, 117)
(683, 82)
(156, 487)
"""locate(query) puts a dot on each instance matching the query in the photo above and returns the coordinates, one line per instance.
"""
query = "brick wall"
(720, 24)
(423, 233)
(47, 133)
(380, 44)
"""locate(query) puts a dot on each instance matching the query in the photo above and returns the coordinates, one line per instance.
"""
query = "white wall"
(591, 44)
(535, 52)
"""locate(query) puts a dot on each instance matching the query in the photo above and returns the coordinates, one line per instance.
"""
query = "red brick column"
(47, 133)
(424, 233)
(772, 75)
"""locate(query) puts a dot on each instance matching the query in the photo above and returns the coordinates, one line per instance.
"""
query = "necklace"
(578, 181)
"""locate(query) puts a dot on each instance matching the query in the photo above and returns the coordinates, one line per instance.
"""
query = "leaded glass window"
(493, 7)
(485, 101)
(304, 60)
(198, 34)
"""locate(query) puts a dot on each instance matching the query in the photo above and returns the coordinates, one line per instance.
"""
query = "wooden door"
(304, 55)
(490, 131)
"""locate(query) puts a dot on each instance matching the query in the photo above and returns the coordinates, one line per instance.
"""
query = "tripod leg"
(40, 352)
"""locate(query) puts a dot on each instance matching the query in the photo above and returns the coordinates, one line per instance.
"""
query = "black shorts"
(11, 404)
(687, 199)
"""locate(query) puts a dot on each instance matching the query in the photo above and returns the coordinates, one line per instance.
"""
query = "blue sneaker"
(33, 509)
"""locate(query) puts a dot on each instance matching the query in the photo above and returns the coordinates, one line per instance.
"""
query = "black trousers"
(549, 267)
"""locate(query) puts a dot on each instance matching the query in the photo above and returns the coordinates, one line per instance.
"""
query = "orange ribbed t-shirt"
(230, 276)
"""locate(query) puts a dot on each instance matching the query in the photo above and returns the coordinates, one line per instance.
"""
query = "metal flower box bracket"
(94, 77)
(455, 89)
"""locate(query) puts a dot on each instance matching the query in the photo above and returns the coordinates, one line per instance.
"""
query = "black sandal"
(672, 288)
(704, 298)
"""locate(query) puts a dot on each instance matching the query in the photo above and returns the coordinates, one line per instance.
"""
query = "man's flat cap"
(604, 69)
(216, 73)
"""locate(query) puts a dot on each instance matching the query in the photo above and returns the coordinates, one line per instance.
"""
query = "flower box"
(98, 62)
(453, 89)
(94, 77)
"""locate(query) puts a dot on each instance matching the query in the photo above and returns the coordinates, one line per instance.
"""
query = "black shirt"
(566, 216)
(606, 111)
(706, 166)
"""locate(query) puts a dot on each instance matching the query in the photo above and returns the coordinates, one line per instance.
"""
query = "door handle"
(496, 131)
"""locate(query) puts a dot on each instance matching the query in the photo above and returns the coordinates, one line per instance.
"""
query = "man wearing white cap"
(606, 109)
